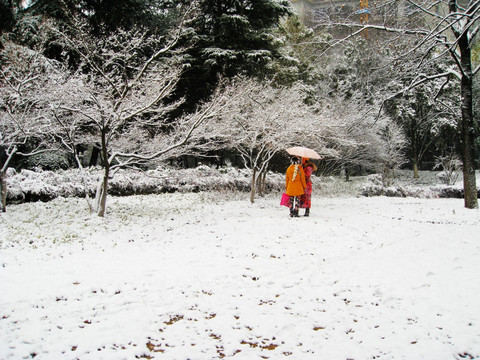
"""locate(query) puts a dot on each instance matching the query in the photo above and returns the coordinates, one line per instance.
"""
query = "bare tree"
(352, 137)
(122, 102)
(262, 120)
(24, 130)
(391, 154)
(441, 29)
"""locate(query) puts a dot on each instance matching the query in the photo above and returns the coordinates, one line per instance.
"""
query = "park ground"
(209, 275)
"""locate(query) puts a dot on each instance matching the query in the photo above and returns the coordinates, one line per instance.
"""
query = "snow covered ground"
(203, 276)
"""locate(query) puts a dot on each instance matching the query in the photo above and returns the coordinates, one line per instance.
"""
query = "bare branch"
(173, 42)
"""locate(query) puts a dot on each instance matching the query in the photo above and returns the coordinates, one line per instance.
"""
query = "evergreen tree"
(7, 18)
(230, 37)
(8, 11)
(103, 16)
(301, 46)
(100, 19)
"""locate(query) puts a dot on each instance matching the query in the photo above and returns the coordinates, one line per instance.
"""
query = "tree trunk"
(261, 178)
(102, 196)
(3, 191)
(467, 129)
(3, 179)
(102, 201)
(258, 185)
(252, 186)
(415, 168)
(263, 181)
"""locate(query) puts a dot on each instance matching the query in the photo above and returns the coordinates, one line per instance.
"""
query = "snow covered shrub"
(376, 179)
(448, 192)
(396, 191)
(451, 165)
(391, 191)
(46, 185)
(377, 190)
(47, 161)
(372, 190)
(413, 191)
(34, 186)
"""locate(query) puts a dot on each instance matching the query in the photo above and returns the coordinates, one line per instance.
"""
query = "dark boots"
(294, 213)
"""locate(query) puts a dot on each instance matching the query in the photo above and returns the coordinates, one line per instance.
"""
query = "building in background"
(310, 11)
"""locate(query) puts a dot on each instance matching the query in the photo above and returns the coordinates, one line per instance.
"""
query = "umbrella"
(303, 152)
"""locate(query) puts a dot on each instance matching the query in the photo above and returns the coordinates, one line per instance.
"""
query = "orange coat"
(297, 186)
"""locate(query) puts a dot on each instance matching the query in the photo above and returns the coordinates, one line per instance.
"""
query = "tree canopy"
(229, 38)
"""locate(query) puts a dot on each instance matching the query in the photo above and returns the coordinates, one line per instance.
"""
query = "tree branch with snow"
(24, 129)
(438, 28)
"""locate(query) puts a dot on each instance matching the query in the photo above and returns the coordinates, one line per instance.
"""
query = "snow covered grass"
(206, 276)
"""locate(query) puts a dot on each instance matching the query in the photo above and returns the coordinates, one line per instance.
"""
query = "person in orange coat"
(295, 185)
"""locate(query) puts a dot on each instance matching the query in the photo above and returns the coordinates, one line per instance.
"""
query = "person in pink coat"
(306, 198)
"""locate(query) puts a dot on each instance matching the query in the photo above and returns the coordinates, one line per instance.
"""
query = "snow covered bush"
(397, 191)
(48, 161)
(451, 165)
(426, 186)
(40, 185)
(449, 191)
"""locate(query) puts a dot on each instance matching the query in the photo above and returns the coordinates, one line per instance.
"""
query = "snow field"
(202, 276)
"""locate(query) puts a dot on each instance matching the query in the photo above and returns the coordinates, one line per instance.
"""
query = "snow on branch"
(24, 129)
